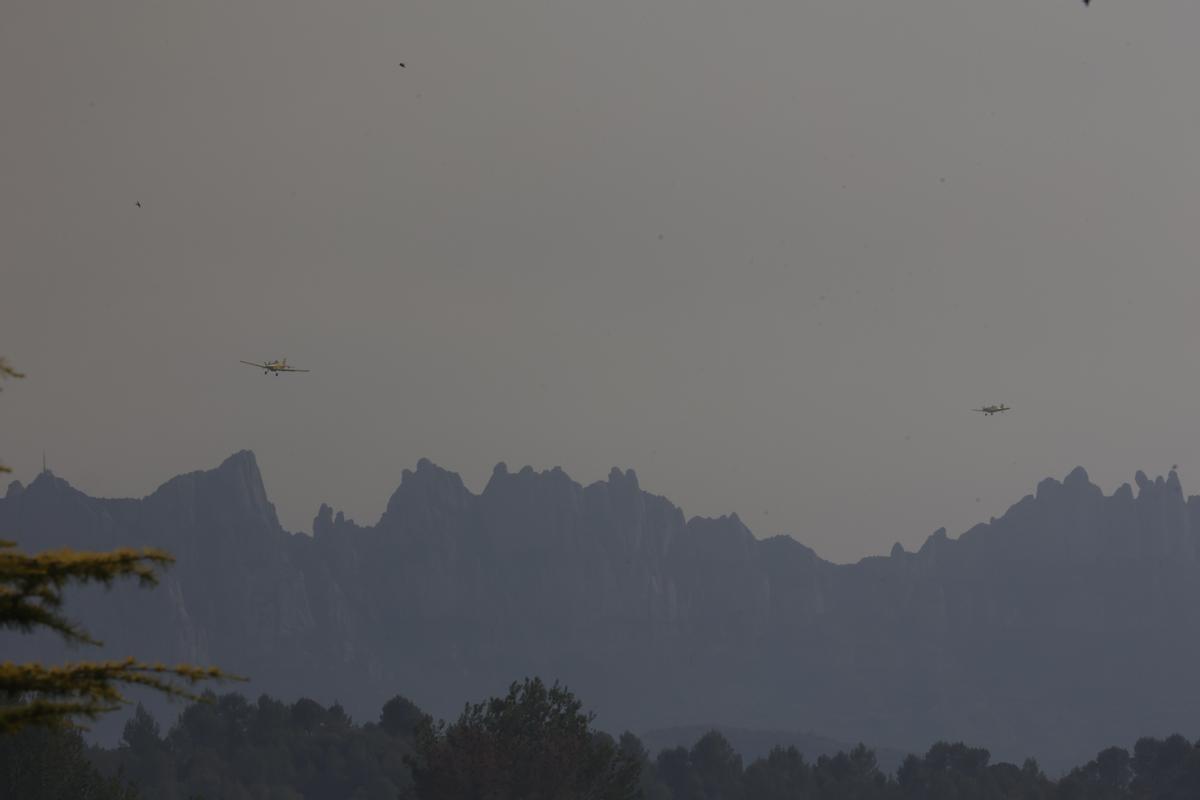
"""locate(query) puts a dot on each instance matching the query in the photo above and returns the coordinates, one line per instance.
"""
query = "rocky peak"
(239, 479)
(627, 479)
(231, 494)
(47, 481)
(553, 486)
(427, 498)
(936, 541)
(531, 510)
(1077, 477)
(1047, 488)
(428, 483)
(49, 490)
(722, 537)
(241, 471)
(323, 522)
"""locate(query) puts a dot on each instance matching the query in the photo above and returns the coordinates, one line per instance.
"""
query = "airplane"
(989, 410)
(274, 366)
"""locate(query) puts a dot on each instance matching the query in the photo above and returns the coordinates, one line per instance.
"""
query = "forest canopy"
(533, 744)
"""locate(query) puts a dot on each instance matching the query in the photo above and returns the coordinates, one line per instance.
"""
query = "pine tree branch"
(31, 586)
(89, 688)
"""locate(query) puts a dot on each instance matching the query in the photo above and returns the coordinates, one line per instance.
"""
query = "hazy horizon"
(769, 255)
(478, 489)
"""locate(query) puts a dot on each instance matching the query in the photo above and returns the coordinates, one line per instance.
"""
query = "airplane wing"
(252, 364)
(291, 369)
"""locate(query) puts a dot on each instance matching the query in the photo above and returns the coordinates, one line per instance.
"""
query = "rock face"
(1069, 624)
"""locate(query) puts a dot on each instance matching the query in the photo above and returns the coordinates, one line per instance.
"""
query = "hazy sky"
(768, 253)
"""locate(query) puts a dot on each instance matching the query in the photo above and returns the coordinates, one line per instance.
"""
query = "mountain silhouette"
(1068, 624)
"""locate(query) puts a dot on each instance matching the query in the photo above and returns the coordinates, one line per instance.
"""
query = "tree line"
(535, 743)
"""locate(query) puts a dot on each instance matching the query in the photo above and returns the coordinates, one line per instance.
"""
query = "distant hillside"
(1070, 623)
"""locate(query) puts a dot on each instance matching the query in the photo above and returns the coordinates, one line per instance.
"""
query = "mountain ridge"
(660, 620)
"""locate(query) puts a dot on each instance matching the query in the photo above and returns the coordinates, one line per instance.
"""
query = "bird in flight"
(138, 204)
(402, 65)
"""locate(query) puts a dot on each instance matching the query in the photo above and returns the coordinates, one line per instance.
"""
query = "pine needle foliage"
(31, 586)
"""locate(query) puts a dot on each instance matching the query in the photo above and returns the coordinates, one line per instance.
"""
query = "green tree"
(41, 763)
(533, 744)
(1106, 777)
(676, 771)
(228, 748)
(142, 754)
(651, 787)
(952, 771)
(711, 769)
(850, 776)
(31, 598)
(400, 716)
(1166, 769)
(782, 775)
(718, 767)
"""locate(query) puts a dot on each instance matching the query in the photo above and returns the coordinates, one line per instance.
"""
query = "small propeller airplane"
(989, 410)
(274, 366)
